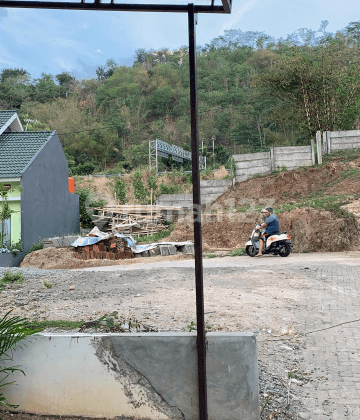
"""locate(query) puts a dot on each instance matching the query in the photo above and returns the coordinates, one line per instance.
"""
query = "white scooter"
(278, 244)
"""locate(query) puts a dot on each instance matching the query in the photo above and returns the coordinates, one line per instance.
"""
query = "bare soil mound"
(63, 258)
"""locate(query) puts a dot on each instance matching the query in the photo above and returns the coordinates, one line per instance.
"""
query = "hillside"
(319, 207)
(249, 91)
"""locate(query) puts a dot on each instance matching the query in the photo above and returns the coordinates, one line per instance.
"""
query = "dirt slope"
(311, 231)
(289, 187)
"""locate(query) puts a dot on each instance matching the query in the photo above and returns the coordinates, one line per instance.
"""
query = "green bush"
(120, 190)
(35, 247)
(157, 236)
(84, 198)
(140, 192)
(86, 168)
(85, 220)
(170, 189)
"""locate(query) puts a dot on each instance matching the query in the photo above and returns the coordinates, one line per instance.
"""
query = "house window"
(7, 231)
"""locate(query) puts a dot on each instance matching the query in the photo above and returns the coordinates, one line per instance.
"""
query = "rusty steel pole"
(200, 320)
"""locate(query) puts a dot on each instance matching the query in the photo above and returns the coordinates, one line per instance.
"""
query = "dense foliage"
(254, 91)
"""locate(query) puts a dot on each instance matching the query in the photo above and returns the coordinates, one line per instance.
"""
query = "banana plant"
(13, 330)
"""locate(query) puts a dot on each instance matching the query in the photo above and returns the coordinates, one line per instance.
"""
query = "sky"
(53, 41)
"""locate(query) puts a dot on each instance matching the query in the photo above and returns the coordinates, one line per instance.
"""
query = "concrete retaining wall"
(210, 191)
(148, 376)
(291, 157)
(294, 156)
(340, 140)
(252, 164)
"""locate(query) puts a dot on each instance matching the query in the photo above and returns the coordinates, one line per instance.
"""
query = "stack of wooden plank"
(135, 220)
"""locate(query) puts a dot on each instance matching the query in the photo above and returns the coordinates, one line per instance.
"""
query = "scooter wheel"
(285, 250)
(251, 251)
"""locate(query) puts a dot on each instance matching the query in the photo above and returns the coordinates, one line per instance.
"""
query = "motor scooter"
(276, 244)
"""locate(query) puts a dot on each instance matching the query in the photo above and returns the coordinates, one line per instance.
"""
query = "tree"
(106, 71)
(65, 80)
(13, 73)
(353, 30)
(320, 84)
(15, 88)
(45, 88)
(161, 101)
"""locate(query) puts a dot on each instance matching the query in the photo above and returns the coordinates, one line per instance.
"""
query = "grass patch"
(47, 284)
(317, 201)
(10, 278)
(237, 252)
(192, 326)
(243, 209)
(35, 247)
(346, 155)
(351, 173)
(210, 255)
(156, 236)
(64, 325)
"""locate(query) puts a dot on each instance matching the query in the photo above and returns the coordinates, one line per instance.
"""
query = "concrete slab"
(152, 376)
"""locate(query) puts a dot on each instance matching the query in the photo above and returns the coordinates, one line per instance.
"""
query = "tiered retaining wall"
(210, 190)
(340, 140)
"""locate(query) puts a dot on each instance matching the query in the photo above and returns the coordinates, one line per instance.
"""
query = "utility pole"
(199, 283)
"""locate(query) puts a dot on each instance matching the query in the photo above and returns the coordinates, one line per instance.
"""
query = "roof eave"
(10, 179)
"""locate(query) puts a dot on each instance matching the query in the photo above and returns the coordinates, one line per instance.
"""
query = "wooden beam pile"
(134, 220)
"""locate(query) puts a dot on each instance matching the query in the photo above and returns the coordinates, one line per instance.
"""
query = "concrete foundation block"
(147, 376)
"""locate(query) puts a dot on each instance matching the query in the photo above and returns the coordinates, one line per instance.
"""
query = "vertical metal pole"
(156, 156)
(213, 165)
(200, 321)
(150, 154)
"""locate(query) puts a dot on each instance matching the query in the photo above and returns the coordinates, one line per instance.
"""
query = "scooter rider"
(271, 225)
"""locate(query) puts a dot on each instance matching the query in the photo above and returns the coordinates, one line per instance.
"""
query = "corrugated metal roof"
(5, 117)
(18, 150)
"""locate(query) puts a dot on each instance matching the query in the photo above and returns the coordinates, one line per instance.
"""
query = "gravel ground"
(263, 300)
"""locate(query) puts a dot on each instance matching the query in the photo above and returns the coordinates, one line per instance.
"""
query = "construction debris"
(100, 245)
(112, 248)
(135, 220)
